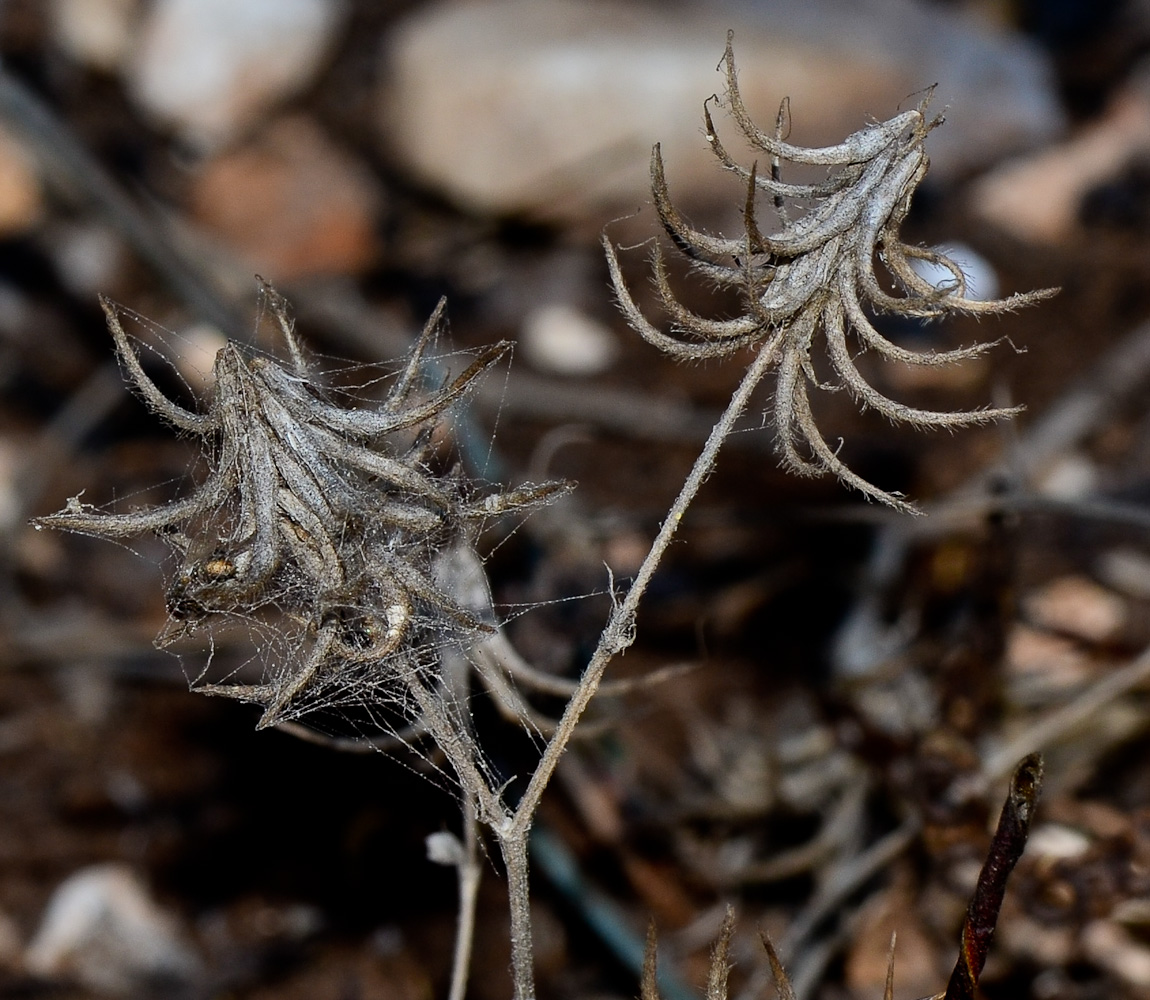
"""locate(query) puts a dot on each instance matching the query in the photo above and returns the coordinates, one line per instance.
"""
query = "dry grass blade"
(783, 987)
(814, 278)
(721, 959)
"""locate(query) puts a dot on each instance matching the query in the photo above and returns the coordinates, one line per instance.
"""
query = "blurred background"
(861, 684)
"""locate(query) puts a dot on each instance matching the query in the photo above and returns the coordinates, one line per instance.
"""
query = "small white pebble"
(1077, 606)
(1052, 662)
(103, 928)
(561, 340)
(1117, 951)
(88, 258)
(1057, 842)
(199, 344)
(444, 848)
(1071, 477)
(1126, 570)
(212, 67)
(95, 32)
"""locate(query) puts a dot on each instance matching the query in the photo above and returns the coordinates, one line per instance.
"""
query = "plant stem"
(619, 632)
(468, 872)
(513, 830)
(513, 844)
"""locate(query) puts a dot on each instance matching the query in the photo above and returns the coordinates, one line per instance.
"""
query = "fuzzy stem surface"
(619, 632)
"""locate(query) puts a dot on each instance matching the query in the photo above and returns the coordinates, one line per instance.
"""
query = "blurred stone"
(444, 848)
(196, 361)
(11, 945)
(104, 930)
(1043, 944)
(89, 256)
(1077, 606)
(564, 341)
(551, 109)
(1056, 842)
(21, 198)
(291, 202)
(1040, 666)
(1126, 570)
(1071, 476)
(1118, 951)
(98, 33)
(210, 68)
(1037, 198)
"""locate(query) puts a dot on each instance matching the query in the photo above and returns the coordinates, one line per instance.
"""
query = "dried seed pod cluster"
(329, 517)
(815, 275)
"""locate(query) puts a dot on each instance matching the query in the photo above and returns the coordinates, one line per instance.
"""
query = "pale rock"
(1077, 606)
(103, 929)
(21, 194)
(1057, 842)
(562, 340)
(1132, 912)
(11, 945)
(98, 33)
(1023, 936)
(551, 109)
(444, 848)
(89, 256)
(88, 690)
(1072, 476)
(1037, 198)
(196, 360)
(962, 376)
(210, 68)
(291, 203)
(1041, 666)
(1118, 951)
(1127, 571)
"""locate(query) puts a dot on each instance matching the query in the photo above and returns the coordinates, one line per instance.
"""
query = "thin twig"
(620, 630)
(1006, 848)
(468, 872)
(616, 637)
(513, 846)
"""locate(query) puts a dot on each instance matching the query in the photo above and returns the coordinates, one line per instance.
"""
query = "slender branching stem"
(620, 630)
(468, 873)
(618, 634)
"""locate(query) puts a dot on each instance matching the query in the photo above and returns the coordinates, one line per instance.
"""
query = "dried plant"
(815, 275)
(328, 516)
(333, 525)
